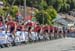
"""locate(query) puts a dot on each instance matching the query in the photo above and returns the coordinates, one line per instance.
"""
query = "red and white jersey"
(11, 23)
(45, 28)
(1, 24)
(37, 28)
(19, 27)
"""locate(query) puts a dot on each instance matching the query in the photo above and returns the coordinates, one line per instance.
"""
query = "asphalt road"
(65, 44)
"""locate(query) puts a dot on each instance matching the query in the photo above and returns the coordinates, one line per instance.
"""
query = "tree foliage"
(46, 16)
(14, 10)
(2, 12)
(59, 5)
(52, 12)
(43, 17)
(47, 9)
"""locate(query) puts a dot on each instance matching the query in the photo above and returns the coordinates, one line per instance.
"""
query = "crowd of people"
(16, 32)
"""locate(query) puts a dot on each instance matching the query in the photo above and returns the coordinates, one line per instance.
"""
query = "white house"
(63, 21)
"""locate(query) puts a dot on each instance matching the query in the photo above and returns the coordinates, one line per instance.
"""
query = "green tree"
(19, 2)
(46, 16)
(2, 12)
(43, 4)
(39, 4)
(52, 12)
(50, 2)
(58, 4)
(65, 8)
(62, 5)
(14, 10)
(43, 17)
(72, 4)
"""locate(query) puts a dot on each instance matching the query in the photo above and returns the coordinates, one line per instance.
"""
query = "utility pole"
(42, 11)
(24, 8)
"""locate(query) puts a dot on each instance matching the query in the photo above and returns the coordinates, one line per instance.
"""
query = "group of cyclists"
(15, 33)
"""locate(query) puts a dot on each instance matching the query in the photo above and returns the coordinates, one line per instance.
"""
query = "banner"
(28, 18)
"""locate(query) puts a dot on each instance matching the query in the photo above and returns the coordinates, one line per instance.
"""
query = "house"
(72, 13)
(64, 20)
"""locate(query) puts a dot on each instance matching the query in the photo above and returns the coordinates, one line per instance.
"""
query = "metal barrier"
(21, 37)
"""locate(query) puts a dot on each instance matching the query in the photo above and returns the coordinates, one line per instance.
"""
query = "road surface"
(65, 44)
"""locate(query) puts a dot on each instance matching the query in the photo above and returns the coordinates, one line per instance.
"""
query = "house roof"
(68, 17)
(64, 20)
